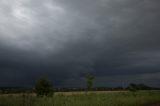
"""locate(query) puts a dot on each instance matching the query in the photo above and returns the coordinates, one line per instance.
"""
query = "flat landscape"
(97, 98)
(79, 52)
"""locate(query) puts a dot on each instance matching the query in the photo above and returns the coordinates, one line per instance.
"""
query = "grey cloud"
(65, 39)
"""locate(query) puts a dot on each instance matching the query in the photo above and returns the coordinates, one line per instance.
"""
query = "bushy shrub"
(44, 87)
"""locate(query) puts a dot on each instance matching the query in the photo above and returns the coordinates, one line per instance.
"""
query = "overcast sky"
(116, 40)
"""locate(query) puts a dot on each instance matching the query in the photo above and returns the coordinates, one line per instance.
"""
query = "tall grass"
(139, 98)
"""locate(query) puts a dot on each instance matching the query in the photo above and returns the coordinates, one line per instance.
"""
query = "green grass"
(140, 98)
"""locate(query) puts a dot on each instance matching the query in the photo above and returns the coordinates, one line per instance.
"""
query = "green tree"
(89, 81)
(44, 87)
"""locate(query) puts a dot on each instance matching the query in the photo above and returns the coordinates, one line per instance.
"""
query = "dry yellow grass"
(82, 92)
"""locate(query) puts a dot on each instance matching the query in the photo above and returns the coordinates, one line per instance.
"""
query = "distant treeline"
(8, 90)
(136, 86)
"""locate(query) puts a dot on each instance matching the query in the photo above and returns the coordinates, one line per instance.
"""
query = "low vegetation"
(43, 94)
(108, 98)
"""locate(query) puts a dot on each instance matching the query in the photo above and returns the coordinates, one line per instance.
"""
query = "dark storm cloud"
(113, 39)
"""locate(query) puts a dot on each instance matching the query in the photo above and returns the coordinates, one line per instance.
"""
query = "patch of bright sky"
(21, 28)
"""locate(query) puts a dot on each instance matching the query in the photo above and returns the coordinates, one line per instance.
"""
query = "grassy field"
(118, 98)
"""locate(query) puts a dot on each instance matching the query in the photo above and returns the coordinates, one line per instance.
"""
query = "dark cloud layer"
(116, 40)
